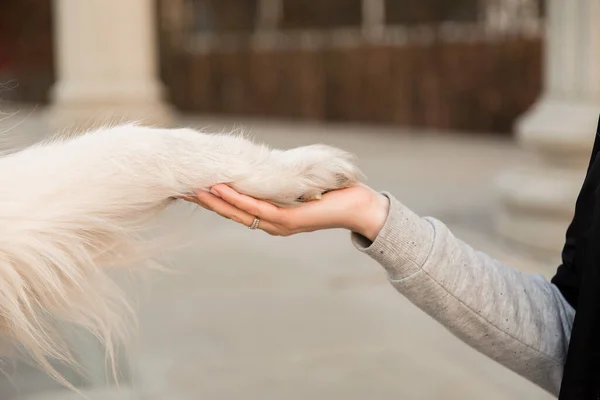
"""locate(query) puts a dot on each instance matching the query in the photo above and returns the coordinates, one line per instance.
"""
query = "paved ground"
(256, 317)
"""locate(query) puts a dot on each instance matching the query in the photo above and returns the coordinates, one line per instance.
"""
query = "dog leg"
(71, 209)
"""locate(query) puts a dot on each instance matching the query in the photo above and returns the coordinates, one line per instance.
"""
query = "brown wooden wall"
(477, 85)
(465, 86)
(26, 50)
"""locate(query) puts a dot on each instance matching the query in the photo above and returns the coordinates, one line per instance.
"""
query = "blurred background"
(480, 113)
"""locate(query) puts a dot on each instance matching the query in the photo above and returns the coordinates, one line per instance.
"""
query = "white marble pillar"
(106, 64)
(558, 132)
(373, 18)
(269, 15)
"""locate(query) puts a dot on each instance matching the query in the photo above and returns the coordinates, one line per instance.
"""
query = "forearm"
(517, 319)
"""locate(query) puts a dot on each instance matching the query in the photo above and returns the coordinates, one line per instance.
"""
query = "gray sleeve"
(519, 320)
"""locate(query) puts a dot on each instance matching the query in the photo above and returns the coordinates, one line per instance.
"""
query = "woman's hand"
(359, 209)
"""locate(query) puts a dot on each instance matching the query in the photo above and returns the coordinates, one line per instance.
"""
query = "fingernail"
(214, 191)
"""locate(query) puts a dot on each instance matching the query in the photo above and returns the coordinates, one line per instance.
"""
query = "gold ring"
(255, 223)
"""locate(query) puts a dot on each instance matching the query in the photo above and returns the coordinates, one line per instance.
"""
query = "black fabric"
(578, 279)
(568, 275)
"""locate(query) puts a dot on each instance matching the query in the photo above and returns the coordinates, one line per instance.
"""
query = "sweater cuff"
(403, 244)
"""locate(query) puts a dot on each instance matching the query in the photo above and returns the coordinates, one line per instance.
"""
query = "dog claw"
(306, 198)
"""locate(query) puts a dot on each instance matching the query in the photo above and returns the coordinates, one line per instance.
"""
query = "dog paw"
(302, 174)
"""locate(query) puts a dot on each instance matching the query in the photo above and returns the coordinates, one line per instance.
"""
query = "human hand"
(358, 208)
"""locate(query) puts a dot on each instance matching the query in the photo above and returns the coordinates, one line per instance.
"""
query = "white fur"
(70, 209)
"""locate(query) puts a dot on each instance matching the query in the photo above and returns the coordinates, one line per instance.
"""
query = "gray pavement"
(250, 316)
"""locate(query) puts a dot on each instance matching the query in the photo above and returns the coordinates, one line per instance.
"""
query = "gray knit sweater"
(520, 320)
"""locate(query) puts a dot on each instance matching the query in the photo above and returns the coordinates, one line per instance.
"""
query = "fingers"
(190, 199)
(252, 206)
(224, 209)
(310, 216)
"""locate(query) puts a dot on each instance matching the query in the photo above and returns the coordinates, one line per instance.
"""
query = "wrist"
(372, 216)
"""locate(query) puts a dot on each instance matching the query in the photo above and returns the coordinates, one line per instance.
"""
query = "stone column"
(373, 18)
(269, 15)
(106, 63)
(558, 132)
